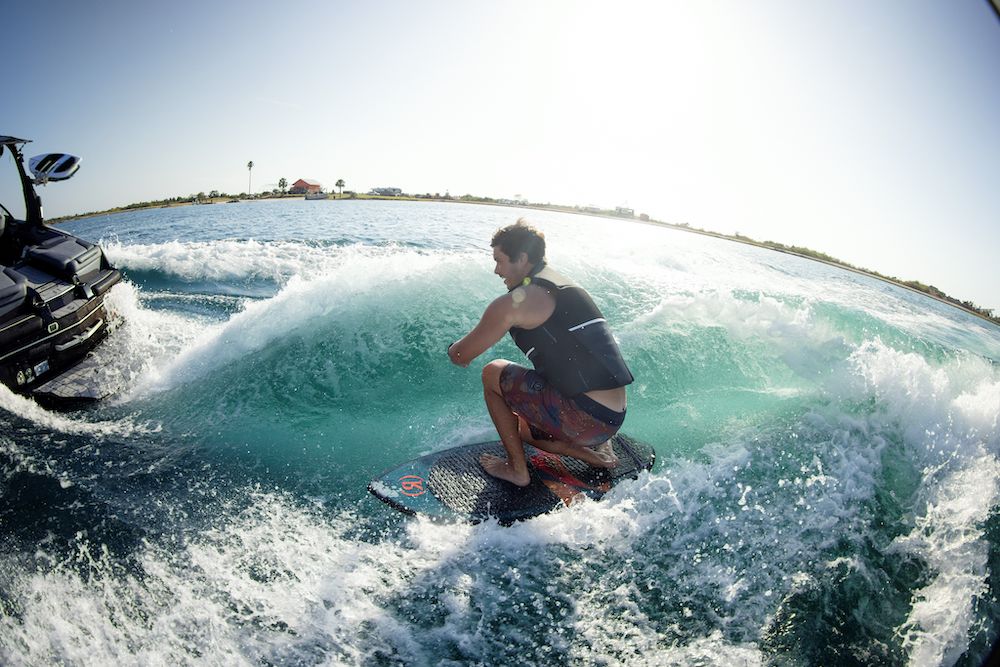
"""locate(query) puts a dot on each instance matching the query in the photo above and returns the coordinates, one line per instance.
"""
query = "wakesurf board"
(452, 485)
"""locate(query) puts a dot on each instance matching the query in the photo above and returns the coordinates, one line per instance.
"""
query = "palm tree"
(283, 183)
(249, 177)
(340, 184)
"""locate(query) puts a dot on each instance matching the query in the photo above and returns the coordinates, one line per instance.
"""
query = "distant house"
(303, 186)
(386, 192)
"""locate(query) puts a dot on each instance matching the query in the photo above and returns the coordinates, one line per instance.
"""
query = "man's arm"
(495, 323)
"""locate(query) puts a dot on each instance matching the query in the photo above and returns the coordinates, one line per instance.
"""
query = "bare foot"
(499, 468)
(605, 454)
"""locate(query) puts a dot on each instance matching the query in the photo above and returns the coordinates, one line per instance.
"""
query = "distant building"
(303, 186)
(386, 192)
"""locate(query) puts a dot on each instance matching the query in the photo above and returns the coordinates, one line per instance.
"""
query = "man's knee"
(492, 372)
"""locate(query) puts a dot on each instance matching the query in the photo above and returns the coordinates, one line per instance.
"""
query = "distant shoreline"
(804, 253)
(766, 245)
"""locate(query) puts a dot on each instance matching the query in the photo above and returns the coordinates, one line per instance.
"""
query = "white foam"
(28, 409)
(949, 415)
(948, 536)
(272, 583)
(764, 318)
(944, 408)
(769, 337)
(224, 260)
(146, 340)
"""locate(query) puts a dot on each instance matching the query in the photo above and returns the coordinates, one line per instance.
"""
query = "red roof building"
(303, 186)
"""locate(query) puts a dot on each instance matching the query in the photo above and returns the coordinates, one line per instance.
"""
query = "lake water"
(825, 490)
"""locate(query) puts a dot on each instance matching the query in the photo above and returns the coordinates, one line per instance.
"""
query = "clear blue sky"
(867, 130)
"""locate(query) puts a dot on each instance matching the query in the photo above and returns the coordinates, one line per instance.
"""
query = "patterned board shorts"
(577, 420)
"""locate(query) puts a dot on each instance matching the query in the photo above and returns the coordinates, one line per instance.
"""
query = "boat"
(317, 195)
(52, 294)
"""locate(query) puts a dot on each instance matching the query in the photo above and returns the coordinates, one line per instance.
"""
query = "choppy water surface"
(825, 491)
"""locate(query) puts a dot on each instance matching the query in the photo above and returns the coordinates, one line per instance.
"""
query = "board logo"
(412, 485)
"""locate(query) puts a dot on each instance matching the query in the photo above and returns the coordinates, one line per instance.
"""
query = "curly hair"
(520, 237)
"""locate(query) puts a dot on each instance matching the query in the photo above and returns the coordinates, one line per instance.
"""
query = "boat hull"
(45, 339)
(52, 289)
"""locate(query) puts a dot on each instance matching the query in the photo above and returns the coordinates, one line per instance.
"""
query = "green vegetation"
(212, 197)
(215, 196)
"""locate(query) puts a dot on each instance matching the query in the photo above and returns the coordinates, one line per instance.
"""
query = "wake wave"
(236, 260)
(828, 461)
(948, 416)
(360, 298)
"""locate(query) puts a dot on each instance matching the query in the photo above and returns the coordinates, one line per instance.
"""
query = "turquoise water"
(825, 490)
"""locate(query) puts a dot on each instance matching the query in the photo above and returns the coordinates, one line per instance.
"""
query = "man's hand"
(456, 357)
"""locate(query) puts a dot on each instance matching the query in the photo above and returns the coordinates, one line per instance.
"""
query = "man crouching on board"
(574, 399)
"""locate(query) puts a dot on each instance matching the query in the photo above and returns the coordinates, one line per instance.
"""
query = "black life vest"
(574, 348)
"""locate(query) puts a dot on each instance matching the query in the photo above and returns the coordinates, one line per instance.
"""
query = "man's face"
(512, 272)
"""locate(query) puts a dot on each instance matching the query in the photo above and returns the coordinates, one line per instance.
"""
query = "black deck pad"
(453, 484)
